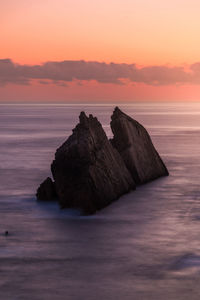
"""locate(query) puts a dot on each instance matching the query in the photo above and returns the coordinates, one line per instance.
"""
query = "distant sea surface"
(145, 246)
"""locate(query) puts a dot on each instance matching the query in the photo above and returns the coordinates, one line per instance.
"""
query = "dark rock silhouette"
(46, 190)
(88, 172)
(136, 148)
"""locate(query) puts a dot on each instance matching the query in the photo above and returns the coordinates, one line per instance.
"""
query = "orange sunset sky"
(84, 50)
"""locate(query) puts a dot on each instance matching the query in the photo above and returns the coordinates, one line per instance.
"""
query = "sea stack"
(134, 144)
(89, 173)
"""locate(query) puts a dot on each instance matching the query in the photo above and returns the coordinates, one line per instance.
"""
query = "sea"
(145, 246)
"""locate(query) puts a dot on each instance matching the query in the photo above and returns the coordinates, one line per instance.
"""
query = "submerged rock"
(46, 190)
(89, 173)
(136, 148)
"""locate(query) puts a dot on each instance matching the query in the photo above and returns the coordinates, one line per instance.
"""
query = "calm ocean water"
(144, 246)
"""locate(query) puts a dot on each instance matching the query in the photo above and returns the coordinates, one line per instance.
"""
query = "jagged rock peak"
(118, 113)
(87, 122)
(84, 120)
(117, 110)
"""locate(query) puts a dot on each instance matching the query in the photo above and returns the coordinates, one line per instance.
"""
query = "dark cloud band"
(67, 71)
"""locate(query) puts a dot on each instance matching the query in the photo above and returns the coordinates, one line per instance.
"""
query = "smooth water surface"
(144, 246)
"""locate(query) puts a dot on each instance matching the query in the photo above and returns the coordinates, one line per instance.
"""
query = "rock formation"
(46, 190)
(136, 148)
(88, 172)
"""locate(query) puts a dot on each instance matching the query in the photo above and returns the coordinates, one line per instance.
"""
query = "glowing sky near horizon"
(146, 33)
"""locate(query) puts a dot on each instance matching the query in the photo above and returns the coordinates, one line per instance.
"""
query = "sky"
(92, 50)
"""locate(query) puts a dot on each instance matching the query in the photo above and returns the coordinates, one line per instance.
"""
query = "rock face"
(89, 173)
(135, 147)
(46, 190)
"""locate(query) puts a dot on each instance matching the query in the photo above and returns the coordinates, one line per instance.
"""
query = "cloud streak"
(60, 73)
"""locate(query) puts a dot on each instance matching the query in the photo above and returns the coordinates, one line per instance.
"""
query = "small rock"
(46, 190)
